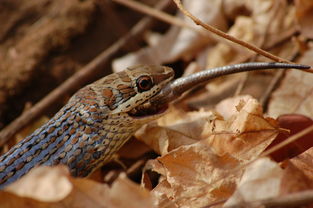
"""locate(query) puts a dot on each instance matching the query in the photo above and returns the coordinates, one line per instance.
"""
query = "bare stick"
(73, 83)
(270, 88)
(288, 141)
(229, 37)
(271, 150)
(160, 15)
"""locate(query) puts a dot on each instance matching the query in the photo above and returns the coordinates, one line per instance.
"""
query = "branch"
(79, 78)
(229, 37)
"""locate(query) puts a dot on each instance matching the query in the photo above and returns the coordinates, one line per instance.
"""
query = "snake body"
(102, 116)
(91, 127)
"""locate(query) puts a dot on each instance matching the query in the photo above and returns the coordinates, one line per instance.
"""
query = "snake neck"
(82, 140)
(88, 130)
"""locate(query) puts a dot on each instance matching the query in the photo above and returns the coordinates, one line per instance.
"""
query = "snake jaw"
(143, 108)
(147, 110)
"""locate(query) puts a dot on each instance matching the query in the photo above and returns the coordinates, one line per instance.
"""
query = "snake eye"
(144, 83)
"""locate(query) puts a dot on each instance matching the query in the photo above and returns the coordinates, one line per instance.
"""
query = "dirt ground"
(44, 42)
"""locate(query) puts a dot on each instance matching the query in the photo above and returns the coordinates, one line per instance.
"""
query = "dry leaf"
(176, 128)
(265, 179)
(44, 184)
(223, 54)
(295, 92)
(261, 180)
(294, 179)
(53, 187)
(294, 123)
(133, 149)
(245, 134)
(206, 171)
(304, 162)
(229, 106)
(264, 19)
(177, 42)
(203, 153)
(304, 14)
(195, 175)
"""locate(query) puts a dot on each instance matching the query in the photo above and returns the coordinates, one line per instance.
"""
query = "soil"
(44, 42)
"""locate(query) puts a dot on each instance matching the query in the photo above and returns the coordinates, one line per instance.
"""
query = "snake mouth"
(147, 110)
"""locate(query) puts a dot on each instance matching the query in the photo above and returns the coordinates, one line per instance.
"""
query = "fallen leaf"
(177, 42)
(206, 171)
(195, 175)
(53, 187)
(304, 13)
(245, 134)
(265, 179)
(261, 17)
(229, 106)
(261, 180)
(176, 128)
(294, 179)
(294, 123)
(294, 95)
(223, 54)
(304, 162)
(45, 184)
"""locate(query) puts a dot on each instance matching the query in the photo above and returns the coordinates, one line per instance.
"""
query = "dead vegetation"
(240, 141)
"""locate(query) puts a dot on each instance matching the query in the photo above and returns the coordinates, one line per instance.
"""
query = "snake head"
(148, 81)
(143, 92)
(128, 91)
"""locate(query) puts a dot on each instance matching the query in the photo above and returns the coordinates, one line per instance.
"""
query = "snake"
(100, 117)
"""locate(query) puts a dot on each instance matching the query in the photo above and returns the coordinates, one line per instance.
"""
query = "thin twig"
(264, 37)
(291, 139)
(171, 20)
(119, 28)
(271, 86)
(220, 35)
(73, 83)
(278, 40)
(242, 83)
(160, 15)
(229, 37)
(279, 73)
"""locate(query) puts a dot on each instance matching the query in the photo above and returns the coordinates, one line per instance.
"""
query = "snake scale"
(102, 116)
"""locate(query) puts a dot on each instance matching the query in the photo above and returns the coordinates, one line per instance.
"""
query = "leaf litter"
(209, 152)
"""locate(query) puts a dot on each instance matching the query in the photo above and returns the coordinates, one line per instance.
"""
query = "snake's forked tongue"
(177, 87)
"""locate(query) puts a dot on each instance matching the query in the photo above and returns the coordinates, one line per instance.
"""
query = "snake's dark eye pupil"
(144, 83)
